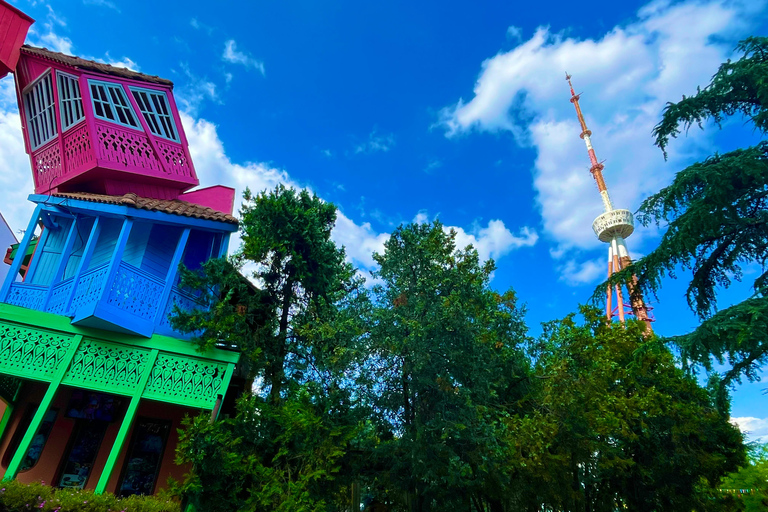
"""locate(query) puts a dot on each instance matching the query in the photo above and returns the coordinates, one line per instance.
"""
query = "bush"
(18, 497)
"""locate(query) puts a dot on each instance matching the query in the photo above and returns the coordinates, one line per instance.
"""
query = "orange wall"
(50, 459)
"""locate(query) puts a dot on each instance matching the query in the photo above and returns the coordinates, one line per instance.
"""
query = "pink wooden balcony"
(76, 148)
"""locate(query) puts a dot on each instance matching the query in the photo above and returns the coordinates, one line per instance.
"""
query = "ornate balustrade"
(78, 150)
(30, 296)
(112, 146)
(46, 165)
(57, 303)
(136, 292)
(132, 149)
(37, 353)
(134, 295)
(89, 287)
(185, 301)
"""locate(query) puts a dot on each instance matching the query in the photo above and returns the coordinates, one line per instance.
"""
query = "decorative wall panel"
(58, 301)
(127, 147)
(174, 159)
(31, 353)
(78, 152)
(107, 367)
(28, 296)
(89, 286)
(47, 165)
(135, 292)
(186, 380)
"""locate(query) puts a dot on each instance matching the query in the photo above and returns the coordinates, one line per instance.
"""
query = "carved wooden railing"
(30, 296)
(136, 292)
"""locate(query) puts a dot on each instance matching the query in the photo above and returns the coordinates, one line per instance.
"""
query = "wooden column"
(117, 257)
(85, 259)
(173, 271)
(63, 259)
(125, 426)
(53, 387)
(20, 253)
(10, 405)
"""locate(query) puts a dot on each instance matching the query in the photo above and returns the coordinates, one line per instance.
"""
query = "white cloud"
(495, 240)
(198, 25)
(213, 166)
(627, 76)
(43, 33)
(755, 428)
(102, 3)
(361, 240)
(196, 90)
(433, 165)
(15, 174)
(515, 33)
(123, 62)
(376, 143)
(234, 56)
(586, 272)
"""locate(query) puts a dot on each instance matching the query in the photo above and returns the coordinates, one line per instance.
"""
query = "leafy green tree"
(446, 364)
(752, 477)
(617, 426)
(298, 330)
(716, 220)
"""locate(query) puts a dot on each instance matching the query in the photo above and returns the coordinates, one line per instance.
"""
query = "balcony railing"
(131, 299)
(111, 147)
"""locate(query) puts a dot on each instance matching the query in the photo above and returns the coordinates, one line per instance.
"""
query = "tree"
(298, 330)
(617, 426)
(716, 221)
(752, 477)
(445, 363)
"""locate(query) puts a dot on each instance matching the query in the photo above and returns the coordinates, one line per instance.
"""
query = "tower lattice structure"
(613, 227)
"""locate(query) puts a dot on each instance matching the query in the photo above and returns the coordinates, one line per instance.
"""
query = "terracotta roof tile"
(173, 206)
(90, 65)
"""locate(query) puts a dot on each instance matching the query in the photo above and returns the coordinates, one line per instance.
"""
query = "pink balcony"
(128, 138)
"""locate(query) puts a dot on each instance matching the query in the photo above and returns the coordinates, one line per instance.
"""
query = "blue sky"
(398, 111)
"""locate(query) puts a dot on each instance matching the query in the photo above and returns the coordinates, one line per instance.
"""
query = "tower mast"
(612, 227)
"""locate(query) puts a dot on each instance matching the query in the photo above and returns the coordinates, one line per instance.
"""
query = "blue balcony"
(112, 272)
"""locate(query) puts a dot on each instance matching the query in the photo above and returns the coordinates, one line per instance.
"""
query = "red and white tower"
(613, 227)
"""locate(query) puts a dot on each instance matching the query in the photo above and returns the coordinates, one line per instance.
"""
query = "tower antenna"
(613, 226)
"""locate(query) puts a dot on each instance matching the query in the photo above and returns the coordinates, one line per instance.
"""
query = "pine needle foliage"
(716, 219)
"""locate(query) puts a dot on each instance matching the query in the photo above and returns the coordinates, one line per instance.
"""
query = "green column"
(9, 406)
(125, 426)
(21, 451)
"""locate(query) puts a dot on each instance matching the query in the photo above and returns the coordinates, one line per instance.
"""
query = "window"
(38, 442)
(38, 102)
(70, 100)
(81, 456)
(111, 103)
(157, 113)
(145, 454)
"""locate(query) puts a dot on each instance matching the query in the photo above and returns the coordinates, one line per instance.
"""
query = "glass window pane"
(145, 454)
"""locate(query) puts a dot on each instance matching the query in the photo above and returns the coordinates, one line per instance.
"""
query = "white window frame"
(160, 123)
(44, 118)
(71, 102)
(110, 102)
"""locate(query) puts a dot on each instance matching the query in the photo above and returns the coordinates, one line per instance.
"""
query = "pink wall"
(14, 25)
(218, 197)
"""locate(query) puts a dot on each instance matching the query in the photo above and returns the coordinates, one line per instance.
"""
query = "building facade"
(94, 380)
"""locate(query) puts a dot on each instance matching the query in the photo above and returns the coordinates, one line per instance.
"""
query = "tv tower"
(612, 227)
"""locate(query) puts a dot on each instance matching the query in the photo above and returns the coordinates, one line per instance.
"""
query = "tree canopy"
(715, 220)
(425, 391)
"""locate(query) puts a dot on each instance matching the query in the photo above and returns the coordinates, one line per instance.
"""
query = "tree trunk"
(278, 373)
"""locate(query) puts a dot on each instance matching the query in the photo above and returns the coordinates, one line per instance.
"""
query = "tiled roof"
(173, 206)
(91, 65)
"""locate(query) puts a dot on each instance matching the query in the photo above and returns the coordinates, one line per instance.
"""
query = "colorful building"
(94, 380)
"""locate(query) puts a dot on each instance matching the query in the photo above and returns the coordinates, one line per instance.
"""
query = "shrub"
(18, 497)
